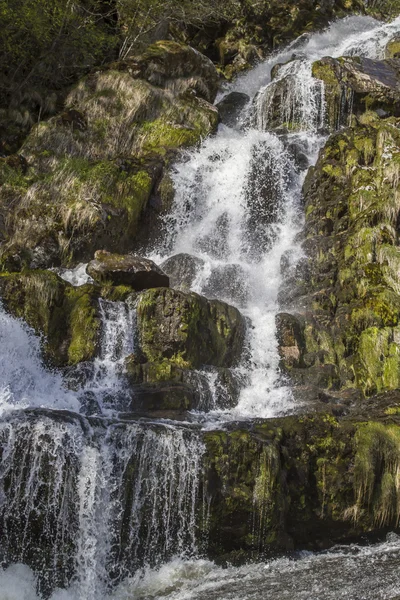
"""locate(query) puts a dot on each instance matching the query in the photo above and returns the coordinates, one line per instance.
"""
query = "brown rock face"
(135, 271)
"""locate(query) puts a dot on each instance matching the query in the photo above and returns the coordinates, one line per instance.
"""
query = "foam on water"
(309, 576)
(24, 381)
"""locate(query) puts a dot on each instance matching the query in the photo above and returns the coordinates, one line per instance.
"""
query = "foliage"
(47, 44)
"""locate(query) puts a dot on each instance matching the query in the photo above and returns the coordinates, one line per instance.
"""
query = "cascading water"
(238, 199)
(86, 504)
(96, 505)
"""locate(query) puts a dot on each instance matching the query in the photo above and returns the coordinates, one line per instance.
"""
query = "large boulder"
(231, 107)
(176, 67)
(94, 167)
(188, 330)
(354, 85)
(134, 271)
(296, 483)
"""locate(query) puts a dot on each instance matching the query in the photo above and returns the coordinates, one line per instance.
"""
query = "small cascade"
(101, 385)
(84, 506)
(295, 100)
(23, 379)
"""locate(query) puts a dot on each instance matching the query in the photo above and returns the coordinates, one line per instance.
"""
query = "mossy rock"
(351, 287)
(355, 85)
(188, 330)
(300, 482)
(65, 316)
(93, 168)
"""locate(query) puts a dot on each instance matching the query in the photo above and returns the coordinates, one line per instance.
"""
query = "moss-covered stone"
(188, 330)
(300, 482)
(93, 168)
(65, 316)
(355, 85)
(352, 210)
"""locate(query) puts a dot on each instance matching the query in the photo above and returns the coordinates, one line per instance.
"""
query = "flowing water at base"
(343, 573)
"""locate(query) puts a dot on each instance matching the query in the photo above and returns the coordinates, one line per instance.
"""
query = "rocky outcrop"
(187, 330)
(347, 291)
(293, 483)
(93, 169)
(354, 85)
(67, 317)
(127, 270)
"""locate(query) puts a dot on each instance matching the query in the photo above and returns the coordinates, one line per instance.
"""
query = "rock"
(282, 105)
(188, 330)
(161, 397)
(354, 85)
(291, 343)
(176, 67)
(392, 49)
(182, 270)
(229, 282)
(67, 316)
(299, 483)
(231, 107)
(127, 270)
(93, 169)
(350, 303)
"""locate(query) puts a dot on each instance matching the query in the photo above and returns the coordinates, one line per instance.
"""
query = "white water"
(215, 218)
(118, 500)
(238, 199)
(344, 573)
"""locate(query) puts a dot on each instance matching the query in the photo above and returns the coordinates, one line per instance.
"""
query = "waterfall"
(91, 504)
(86, 505)
(105, 386)
(238, 199)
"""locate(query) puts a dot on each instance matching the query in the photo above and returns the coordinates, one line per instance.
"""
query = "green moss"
(84, 324)
(160, 137)
(187, 329)
(65, 316)
(376, 468)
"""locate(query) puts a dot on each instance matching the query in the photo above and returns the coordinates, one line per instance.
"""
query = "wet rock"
(349, 294)
(291, 342)
(300, 480)
(188, 330)
(134, 271)
(354, 85)
(228, 282)
(163, 396)
(182, 270)
(231, 107)
(284, 104)
(264, 196)
(66, 316)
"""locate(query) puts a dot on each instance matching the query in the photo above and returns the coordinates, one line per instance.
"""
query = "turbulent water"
(114, 502)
